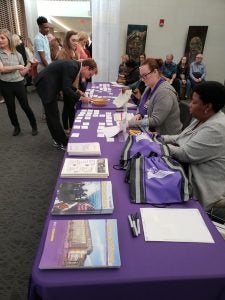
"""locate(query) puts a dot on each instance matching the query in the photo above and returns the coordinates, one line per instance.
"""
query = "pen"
(132, 226)
(138, 223)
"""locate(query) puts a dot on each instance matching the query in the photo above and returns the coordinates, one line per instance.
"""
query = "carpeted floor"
(29, 166)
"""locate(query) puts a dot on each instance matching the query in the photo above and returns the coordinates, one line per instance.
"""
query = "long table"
(106, 90)
(149, 270)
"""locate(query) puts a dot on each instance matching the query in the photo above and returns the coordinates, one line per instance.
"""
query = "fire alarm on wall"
(161, 22)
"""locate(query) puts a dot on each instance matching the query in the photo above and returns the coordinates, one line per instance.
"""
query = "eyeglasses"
(199, 57)
(144, 76)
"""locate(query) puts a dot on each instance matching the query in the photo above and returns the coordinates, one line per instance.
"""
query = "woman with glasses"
(159, 108)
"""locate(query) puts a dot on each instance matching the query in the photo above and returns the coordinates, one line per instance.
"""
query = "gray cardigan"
(204, 149)
(163, 111)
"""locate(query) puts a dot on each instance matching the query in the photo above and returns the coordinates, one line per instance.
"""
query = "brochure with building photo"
(79, 244)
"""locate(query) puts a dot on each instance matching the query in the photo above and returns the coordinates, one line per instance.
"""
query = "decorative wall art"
(136, 39)
(195, 41)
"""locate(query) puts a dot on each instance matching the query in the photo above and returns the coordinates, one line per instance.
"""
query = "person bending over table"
(159, 101)
(60, 76)
(202, 145)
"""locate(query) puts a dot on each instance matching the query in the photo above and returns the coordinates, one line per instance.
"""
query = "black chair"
(185, 115)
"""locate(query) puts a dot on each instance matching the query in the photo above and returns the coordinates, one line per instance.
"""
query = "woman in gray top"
(202, 145)
(159, 101)
(12, 72)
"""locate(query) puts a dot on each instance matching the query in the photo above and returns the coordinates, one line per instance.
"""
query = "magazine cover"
(82, 168)
(84, 197)
(81, 244)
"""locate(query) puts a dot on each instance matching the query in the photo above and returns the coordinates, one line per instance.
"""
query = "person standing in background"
(69, 51)
(82, 42)
(41, 44)
(12, 72)
(41, 48)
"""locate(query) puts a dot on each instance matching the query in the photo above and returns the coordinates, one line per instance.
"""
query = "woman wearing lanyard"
(12, 71)
(159, 101)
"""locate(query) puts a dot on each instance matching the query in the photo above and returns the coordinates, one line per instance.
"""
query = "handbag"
(156, 180)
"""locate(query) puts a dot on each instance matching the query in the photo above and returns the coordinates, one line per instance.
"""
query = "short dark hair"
(131, 64)
(41, 20)
(211, 92)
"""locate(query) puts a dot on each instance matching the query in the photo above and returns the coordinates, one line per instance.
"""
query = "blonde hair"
(8, 35)
(82, 36)
(28, 43)
(16, 39)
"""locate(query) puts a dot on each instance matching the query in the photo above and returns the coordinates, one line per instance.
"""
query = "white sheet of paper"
(111, 131)
(174, 225)
(75, 134)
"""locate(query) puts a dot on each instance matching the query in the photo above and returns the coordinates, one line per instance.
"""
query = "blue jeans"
(187, 87)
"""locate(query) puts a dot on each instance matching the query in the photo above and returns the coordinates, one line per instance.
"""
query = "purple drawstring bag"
(144, 144)
(156, 180)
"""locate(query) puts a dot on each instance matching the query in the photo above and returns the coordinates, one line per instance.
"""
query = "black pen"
(132, 226)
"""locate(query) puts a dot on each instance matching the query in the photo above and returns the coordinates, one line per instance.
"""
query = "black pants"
(69, 111)
(53, 122)
(10, 90)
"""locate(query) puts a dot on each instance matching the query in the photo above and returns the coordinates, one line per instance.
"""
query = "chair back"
(185, 116)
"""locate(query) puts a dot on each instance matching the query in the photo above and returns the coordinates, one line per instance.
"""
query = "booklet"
(83, 197)
(84, 149)
(79, 244)
(85, 168)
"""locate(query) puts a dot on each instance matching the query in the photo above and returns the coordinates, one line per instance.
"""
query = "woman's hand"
(137, 93)
(25, 70)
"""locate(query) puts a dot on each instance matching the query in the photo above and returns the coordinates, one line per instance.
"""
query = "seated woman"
(183, 77)
(131, 73)
(202, 145)
(159, 101)
(122, 66)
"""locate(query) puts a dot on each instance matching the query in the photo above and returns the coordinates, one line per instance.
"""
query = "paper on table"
(174, 225)
(122, 98)
(111, 131)
(115, 84)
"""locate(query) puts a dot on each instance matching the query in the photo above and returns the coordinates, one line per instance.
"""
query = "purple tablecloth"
(149, 270)
(106, 90)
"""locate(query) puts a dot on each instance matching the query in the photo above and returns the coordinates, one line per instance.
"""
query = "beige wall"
(171, 38)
